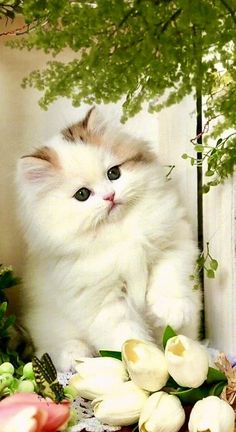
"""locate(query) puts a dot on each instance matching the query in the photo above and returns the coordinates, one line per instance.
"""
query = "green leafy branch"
(204, 262)
(220, 160)
(6, 322)
(10, 8)
(7, 280)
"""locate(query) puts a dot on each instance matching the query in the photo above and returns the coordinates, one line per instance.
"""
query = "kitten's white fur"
(96, 278)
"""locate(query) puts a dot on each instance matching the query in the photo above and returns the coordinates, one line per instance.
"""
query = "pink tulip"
(29, 412)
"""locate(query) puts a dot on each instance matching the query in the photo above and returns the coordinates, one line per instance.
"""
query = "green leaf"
(215, 376)
(168, 333)
(205, 188)
(217, 389)
(201, 260)
(184, 156)
(3, 308)
(192, 395)
(9, 322)
(8, 280)
(199, 147)
(210, 274)
(214, 264)
(209, 173)
(172, 384)
(113, 354)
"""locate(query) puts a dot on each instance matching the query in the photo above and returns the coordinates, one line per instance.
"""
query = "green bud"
(6, 379)
(25, 387)
(70, 391)
(28, 371)
(6, 367)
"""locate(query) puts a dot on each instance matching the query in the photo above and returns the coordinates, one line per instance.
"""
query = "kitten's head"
(88, 176)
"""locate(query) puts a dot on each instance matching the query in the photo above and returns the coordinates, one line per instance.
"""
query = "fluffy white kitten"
(109, 249)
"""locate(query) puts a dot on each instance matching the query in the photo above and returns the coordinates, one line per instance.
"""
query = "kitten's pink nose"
(109, 197)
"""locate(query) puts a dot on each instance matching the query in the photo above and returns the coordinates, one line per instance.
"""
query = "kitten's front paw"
(176, 312)
(69, 353)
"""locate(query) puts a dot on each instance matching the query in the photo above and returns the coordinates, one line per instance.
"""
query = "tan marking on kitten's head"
(133, 152)
(83, 131)
(46, 154)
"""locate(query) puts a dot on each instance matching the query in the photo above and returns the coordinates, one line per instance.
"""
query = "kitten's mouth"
(113, 206)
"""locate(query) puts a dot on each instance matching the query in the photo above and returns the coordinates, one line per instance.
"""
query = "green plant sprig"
(205, 262)
(220, 160)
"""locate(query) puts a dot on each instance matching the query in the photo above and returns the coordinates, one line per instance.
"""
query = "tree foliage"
(139, 48)
(148, 50)
(10, 8)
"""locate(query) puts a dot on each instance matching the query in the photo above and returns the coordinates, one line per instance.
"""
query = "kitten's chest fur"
(106, 262)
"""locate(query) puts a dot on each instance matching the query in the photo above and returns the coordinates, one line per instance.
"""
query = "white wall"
(220, 293)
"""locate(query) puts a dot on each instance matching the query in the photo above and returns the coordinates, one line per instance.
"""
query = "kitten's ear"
(39, 166)
(94, 122)
(92, 126)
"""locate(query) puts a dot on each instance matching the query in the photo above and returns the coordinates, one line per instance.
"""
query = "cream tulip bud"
(161, 413)
(122, 407)
(211, 414)
(146, 364)
(187, 361)
(96, 376)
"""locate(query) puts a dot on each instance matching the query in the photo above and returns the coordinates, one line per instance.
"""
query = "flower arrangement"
(151, 387)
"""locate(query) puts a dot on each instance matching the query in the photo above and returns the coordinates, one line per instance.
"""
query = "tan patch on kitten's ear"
(133, 152)
(45, 154)
(84, 131)
(39, 166)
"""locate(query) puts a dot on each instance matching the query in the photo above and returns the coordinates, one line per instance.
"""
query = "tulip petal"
(212, 413)
(146, 364)
(49, 416)
(101, 365)
(58, 415)
(97, 376)
(161, 413)
(22, 418)
(94, 386)
(122, 407)
(187, 361)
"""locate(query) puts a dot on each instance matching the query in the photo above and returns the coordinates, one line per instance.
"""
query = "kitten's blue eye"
(114, 173)
(82, 194)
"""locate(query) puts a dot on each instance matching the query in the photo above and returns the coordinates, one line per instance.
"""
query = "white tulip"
(161, 413)
(211, 414)
(146, 364)
(122, 407)
(187, 361)
(96, 376)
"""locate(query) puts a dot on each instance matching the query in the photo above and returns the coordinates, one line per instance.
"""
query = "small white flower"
(187, 361)
(99, 375)
(161, 413)
(146, 364)
(122, 407)
(211, 414)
